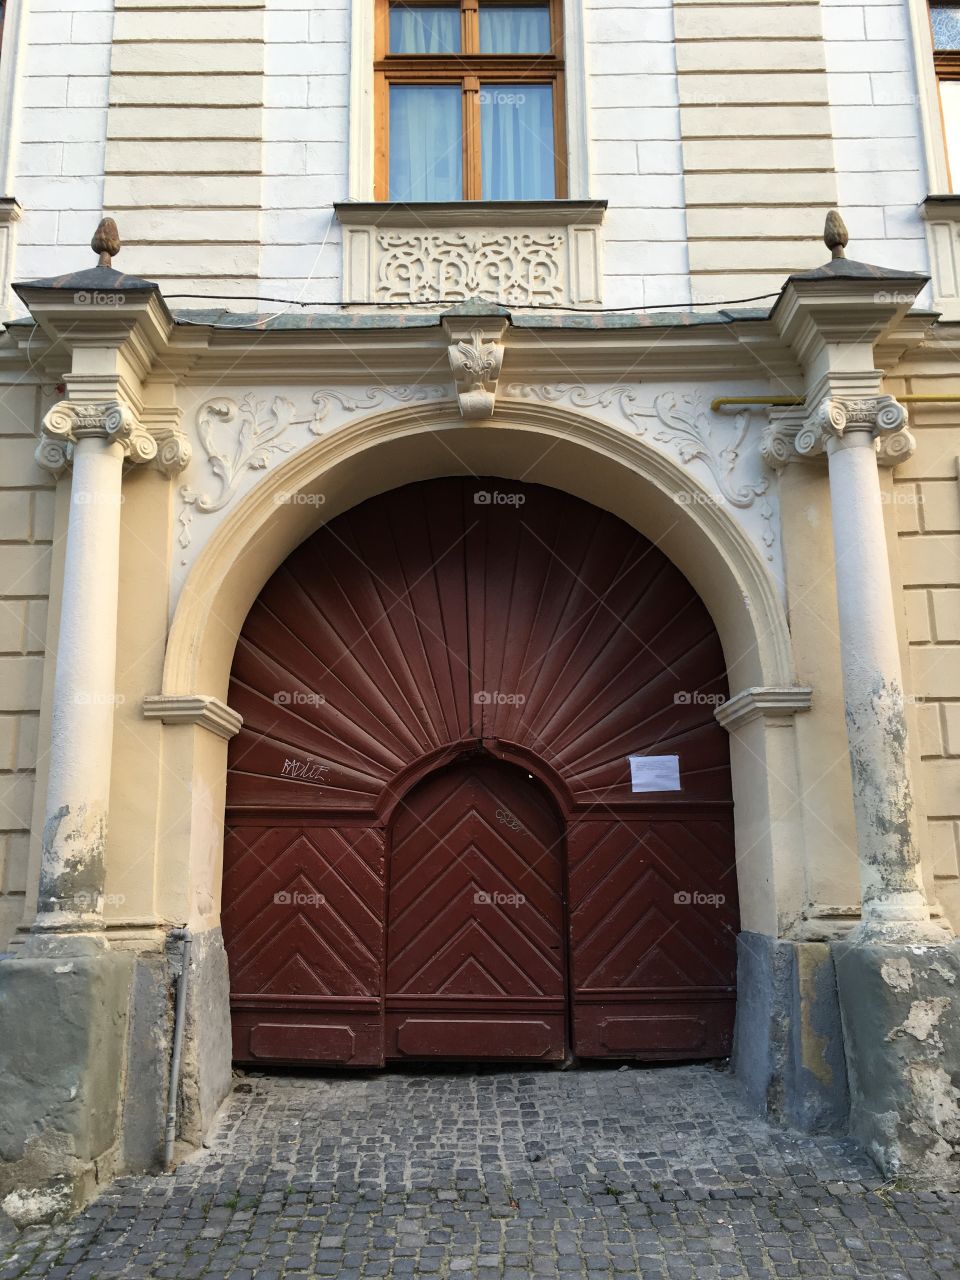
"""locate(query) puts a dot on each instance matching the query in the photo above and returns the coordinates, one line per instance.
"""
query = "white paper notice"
(654, 773)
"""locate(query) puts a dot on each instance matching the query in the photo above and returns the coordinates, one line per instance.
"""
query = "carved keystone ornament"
(476, 358)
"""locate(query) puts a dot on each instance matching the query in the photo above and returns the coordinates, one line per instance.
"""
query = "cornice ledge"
(194, 708)
(470, 213)
(776, 704)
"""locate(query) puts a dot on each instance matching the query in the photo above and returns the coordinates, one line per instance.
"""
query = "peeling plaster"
(921, 1021)
(897, 974)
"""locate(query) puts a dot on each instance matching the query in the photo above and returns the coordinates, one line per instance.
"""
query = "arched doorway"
(487, 620)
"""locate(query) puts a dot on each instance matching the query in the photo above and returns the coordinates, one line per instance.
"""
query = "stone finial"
(106, 242)
(835, 234)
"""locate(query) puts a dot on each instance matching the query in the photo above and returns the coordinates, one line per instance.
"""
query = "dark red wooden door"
(475, 964)
(437, 622)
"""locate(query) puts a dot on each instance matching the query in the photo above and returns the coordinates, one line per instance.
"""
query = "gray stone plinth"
(788, 1044)
(65, 1013)
(901, 1020)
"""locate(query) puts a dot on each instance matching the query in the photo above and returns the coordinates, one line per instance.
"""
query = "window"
(469, 100)
(945, 24)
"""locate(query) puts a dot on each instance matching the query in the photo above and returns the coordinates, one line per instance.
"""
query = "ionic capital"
(882, 417)
(69, 422)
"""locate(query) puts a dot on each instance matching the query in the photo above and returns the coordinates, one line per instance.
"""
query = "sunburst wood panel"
(475, 962)
(424, 618)
(653, 925)
(303, 928)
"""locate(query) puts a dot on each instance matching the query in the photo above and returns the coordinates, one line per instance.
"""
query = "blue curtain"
(426, 141)
(516, 142)
(424, 29)
(505, 29)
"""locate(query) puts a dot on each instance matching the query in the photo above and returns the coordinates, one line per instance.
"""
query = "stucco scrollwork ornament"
(835, 416)
(682, 422)
(249, 434)
(475, 361)
(69, 422)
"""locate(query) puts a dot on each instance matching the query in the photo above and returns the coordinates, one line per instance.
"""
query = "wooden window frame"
(468, 69)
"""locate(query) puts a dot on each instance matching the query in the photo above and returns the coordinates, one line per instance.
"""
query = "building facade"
(481, 562)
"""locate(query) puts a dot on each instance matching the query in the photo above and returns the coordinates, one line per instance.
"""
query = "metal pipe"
(179, 1018)
(785, 401)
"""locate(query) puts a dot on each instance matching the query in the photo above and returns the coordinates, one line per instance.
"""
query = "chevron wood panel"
(653, 926)
(475, 914)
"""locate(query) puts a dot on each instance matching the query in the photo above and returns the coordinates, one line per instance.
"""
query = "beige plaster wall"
(26, 536)
(925, 495)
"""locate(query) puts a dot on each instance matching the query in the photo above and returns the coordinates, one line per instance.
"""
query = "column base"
(788, 1043)
(901, 1020)
(85, 1065)
(64, 1011)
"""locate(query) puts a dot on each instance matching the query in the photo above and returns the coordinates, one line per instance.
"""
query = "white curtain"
(516, 138)
(524, 29)
(425, 142)
(424, 30)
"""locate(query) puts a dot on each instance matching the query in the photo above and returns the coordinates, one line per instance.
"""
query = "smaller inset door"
(475, 954)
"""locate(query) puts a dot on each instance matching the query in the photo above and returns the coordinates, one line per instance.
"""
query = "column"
(894, 906)
(95, 440)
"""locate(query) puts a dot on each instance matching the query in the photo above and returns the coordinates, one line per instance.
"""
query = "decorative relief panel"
(547, 256)
(516, 268)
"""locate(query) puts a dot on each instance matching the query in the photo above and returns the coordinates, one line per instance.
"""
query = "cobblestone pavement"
(656, 1172)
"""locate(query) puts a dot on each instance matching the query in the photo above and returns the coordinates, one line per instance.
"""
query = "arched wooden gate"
(480, 806)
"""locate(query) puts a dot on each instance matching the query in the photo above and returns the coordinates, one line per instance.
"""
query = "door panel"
(303, 927)
(475, 937)
(653, 927)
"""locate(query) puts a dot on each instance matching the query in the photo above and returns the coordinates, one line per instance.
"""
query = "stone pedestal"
(60, 1105)
(788, 1049)
(901, 1023)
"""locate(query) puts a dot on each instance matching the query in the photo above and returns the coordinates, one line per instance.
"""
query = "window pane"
(516, 140)
(424, 29)
(950, 100)
(425, 142)
(945, 20)
(514, 29)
